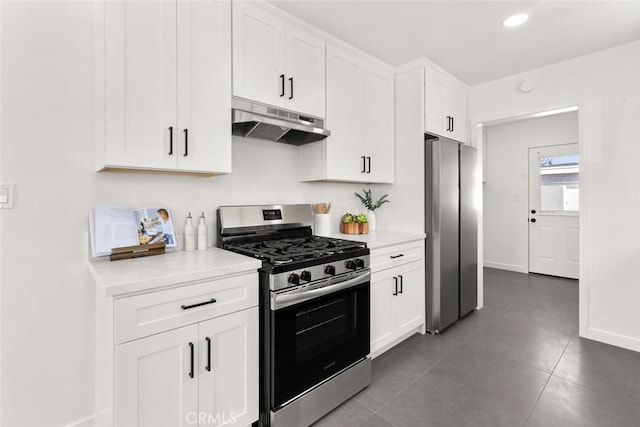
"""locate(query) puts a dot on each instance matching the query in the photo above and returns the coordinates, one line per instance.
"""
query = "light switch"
(6, 196)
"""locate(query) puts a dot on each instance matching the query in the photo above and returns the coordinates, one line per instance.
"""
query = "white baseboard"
(89, 421)
(509, 267)
(618, 340)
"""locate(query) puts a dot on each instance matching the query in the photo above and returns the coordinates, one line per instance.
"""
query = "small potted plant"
(354, 224)
(367, 200)
(349, 224)
(363, 224)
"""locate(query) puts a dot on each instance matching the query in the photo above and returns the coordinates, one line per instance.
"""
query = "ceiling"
(466, 38)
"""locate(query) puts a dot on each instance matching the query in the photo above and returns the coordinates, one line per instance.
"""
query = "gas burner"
(291, 251)
(277, 244)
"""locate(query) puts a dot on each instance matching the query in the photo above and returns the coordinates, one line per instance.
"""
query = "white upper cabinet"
(379, 125)
(164, 86)
(277, 63)
(360, 117)
(445, 105)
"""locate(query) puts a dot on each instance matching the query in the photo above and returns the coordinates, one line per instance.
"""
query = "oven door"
(314, 339)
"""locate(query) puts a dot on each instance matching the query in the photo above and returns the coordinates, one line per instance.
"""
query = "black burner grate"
(290, 250)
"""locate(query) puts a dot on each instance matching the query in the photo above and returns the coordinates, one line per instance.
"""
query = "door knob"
(533, 211)
(533, 220)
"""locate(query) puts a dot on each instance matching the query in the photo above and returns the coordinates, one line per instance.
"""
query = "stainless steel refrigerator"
(451, 223)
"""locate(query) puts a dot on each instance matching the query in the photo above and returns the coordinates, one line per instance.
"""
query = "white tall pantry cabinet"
(163, 79)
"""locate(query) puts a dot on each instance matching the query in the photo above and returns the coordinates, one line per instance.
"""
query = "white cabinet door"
(305, 72)
(436, 104)
(445, 106)
(153, 386)
(140, 84)
(258, 55)
(204, 87)
(228, 369)
(379, 146)
(458, 99)
(382, 310)
(345, 109)
(410, 299)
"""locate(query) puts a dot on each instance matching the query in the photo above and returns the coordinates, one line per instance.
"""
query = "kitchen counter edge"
(179, 268)
(382, 238)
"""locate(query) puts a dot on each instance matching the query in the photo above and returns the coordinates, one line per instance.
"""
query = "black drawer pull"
(208, 367)
(396, 256)
(186, 142)
(192, 352)
(291, 86)
(170, 140)
(187, 307)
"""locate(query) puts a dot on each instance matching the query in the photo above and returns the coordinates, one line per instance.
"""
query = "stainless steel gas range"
(314, 311)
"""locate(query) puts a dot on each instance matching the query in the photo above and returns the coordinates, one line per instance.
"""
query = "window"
(559, 183)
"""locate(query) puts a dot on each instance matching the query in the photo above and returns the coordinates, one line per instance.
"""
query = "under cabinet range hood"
(254, 120)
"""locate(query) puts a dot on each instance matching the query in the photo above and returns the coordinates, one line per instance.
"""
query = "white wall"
(606, 86)
(505, 192)
(47, 150)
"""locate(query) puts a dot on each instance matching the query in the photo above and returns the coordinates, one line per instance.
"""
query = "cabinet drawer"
(142, 315)
(392, 256)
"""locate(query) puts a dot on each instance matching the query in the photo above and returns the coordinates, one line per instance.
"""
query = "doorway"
(554, 191)
(507, 190)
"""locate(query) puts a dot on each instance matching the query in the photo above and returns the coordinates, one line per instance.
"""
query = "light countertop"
(382, 238)
(116, 278)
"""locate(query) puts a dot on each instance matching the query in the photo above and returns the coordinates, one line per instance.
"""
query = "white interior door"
(554, 178)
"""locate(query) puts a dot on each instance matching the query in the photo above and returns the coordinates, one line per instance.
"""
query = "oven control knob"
(330, 270)
(306, 276)
(360, 263)
(294, 279)
(351, 264)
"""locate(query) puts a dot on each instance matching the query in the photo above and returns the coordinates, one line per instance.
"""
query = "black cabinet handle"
(533, 220)
(364, 164)
(448, 123)
(187, 307)
(281, 84)
(170, 140)
(208, 367)
(395, 285)
(192, 356)
(533, 211)
(291, 87)
(369, 162)
(453, 122)
(186, 142)
(396, 256)
(401, 282)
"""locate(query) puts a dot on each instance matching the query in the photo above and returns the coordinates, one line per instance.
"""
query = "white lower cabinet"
(153, 387)
(201, 374)
(228, 369)
(397, 300)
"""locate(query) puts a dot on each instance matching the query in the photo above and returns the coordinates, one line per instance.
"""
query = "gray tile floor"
(516, 362)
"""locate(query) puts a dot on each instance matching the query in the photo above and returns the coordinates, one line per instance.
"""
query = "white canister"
(322, 224)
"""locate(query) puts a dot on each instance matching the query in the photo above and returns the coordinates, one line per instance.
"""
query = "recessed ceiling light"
(515, 20)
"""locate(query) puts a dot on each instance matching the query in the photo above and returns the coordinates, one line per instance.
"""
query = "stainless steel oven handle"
(281, 301)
